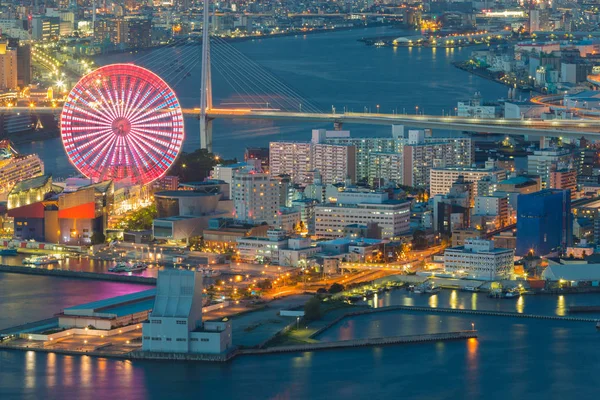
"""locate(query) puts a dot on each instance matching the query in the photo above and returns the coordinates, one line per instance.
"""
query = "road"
(560, 128)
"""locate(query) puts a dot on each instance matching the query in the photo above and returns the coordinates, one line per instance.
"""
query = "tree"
(140, 219)
(265, 284)
(98, 238)
(336, 288)
(312, 309)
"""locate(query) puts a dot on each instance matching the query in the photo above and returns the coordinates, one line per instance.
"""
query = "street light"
(297, 322)
(472, 326)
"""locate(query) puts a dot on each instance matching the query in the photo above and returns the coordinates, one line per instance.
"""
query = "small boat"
(9, 251)
(496, 293)
(510, 294)
(469, 289)
(120, 267)
(45, 260)
(355, 298)
(432, 289)
(410, 288)
(418, 290)
(208, 272)
(136, 267)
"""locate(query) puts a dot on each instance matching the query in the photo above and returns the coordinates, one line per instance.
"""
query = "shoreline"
(254, 37)
(64, 273)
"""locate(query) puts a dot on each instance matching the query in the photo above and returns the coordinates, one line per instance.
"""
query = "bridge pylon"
(206, 83)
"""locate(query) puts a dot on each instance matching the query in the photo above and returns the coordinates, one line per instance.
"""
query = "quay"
(78, 274)
(583, 309)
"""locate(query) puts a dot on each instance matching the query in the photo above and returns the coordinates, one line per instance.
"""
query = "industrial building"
(175, 324)
(110, 313)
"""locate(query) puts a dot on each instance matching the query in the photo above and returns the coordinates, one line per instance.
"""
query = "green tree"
(312, 309)
(265, 284)
(196, 166)
(98, 238)
(336, 288)
(140, 219)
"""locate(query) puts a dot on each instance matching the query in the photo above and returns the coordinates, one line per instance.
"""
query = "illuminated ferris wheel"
(122, 121)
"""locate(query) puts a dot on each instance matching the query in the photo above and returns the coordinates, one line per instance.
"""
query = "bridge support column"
(338, 125)
(206, 137)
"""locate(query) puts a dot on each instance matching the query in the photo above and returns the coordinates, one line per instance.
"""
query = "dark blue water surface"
(328, 69)
(513, 357)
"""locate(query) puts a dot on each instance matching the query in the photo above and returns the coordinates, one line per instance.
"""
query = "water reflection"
(30, 370)
(51, 370)
(560, 306)
(453, 299)
(474, 301)
(521, 304)
(86, 371)
(433, 301)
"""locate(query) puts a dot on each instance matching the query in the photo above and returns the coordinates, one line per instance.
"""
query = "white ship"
(15, 167)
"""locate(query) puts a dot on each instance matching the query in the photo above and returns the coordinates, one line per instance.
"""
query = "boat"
(9, 251)
(45, 260)
(418, 290)
(355, 297)
(432, 289)
(495, 293)
(136, 267)
(510, 294)
(120, 267)
(469, 289)
(29, 260)
(208, 272)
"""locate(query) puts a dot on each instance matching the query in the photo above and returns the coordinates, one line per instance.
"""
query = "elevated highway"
(551, 128)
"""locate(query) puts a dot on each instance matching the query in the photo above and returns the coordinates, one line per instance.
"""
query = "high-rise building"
(8, 66)
(544, 222)
(451, 211)
(335, 163)
(479, 259)
(384, 168)
(256, 197)
(441, 179)
(23, 62)
(291, 158)
(138, 32)
(542, 162)
(490, 212)
(564, 178)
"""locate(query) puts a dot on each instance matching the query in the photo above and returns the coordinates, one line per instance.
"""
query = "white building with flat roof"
(255, 198)
(392, 216)
(263, 249)
(441, 179)
(479, 259)
(175, 323)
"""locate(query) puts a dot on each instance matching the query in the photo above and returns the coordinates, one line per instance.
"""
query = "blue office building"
(544, 222)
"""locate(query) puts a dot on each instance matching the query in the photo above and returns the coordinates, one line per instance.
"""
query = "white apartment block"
(392, 216)
(478, 259)
(441, 179)
(255, 197)
(542, 162)
(291, 158)
(334, 162)
(386, 166)
(367, 146)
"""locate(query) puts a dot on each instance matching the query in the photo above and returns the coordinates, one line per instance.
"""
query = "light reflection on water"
(560, 305)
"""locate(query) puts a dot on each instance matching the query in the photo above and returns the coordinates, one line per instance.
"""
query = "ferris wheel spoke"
(108, 90)
(97, 117)
(104, 106)
(92, 142)
(133, 93)
(154, 152)
(95, 155)
(140, 97)
(136, 152)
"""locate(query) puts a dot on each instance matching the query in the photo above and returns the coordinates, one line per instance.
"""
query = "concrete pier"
(433, 337)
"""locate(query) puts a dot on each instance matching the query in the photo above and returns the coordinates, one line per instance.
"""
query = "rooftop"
(116, 306)
(183, 193)
(32, 183)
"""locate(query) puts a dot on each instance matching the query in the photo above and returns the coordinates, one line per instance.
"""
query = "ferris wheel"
(121, 122)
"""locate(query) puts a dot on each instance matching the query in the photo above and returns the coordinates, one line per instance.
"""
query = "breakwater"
(78, 274)
(432, 337)
(474, 312)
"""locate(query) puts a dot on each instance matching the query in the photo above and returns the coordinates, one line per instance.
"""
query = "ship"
(15, 167)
